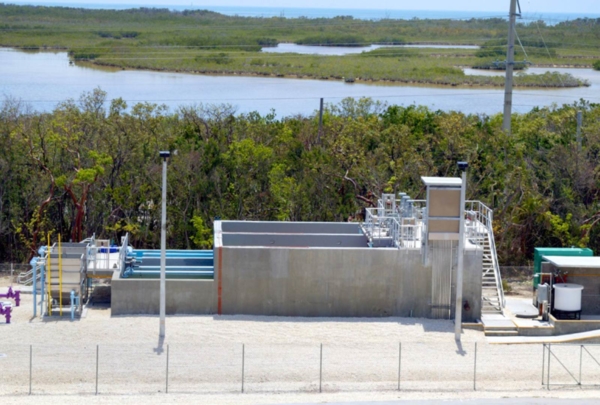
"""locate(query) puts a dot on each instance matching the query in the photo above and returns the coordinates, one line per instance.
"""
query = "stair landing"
(498, 325)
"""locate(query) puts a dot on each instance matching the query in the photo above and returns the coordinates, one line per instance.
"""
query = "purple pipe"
(13, 294)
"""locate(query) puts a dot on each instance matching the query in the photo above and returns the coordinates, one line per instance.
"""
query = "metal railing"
(403, 226)
(480, 220)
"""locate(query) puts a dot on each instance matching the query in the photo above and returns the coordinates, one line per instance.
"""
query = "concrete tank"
(567, 297)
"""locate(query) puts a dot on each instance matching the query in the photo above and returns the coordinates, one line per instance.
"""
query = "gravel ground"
(281, 357)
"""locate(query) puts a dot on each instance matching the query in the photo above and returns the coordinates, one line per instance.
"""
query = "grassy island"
(204, 42)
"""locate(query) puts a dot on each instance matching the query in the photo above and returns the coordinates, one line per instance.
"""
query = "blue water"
(364, 14)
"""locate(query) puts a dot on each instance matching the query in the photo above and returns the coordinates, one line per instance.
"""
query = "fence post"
(580, 361)
(549, 354)
(30, 366)
(97, 358)
(543, 361)
(321, 370)
(475, 369)
(243, 361)
(399, 363)
(167, 374)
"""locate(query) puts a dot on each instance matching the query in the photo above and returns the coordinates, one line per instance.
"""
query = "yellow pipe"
(49, 274)
(59, 277)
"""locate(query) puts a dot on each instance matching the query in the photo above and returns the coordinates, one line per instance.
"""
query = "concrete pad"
(531, 323)
(522, 307)
(574, 337)
(491, 321)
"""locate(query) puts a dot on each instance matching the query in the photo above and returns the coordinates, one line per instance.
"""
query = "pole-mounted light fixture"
(164, 154)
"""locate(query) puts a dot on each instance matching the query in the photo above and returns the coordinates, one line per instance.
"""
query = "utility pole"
(320, 122)
(510, 64)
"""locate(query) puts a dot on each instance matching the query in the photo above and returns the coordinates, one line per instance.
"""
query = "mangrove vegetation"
(200, 41)
(92, 166)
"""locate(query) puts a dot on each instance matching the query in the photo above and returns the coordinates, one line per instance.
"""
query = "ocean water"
(364, 14)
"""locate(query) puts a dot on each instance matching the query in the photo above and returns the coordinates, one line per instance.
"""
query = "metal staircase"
(482, 234)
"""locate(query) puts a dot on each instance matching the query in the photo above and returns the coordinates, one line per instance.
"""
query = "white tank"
(567, 297)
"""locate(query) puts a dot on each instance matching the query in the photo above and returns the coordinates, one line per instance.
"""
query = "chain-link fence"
(200, 368)
(10, 271)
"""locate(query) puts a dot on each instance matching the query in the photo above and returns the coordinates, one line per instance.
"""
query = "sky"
(529, 6)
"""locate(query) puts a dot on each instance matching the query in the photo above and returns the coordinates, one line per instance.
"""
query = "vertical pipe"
(34, 289)
(163, 243)
(49, 278)
(475, 369)
(42, 288)
(97, 362)
(399, 363)
(579, 125)
(510, 61)
(30, 366)
(243, 364)
(460, 258)
(320, 122)
(321, 369)
(59, 277)
(167, 375)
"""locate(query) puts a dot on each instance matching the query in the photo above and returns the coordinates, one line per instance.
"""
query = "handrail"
(496, 265)
(484, 215)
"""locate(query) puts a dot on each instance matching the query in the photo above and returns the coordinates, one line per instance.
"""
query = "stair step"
(502, 333)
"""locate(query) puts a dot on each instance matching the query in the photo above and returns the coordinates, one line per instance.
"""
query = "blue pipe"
(33, 263)
(175, 268)
(72, 305)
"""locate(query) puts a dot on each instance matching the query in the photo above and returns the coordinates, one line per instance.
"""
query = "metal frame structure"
(404, 226)
(546, 370)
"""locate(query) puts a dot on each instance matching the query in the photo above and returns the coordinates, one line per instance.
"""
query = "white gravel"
(281, 360)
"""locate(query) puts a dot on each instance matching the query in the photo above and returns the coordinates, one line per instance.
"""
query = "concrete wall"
(290, 227)
(297, 240)
(333, 282)
(141, 296)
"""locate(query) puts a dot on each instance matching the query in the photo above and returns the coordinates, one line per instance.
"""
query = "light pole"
(163, 242)
(462, 166)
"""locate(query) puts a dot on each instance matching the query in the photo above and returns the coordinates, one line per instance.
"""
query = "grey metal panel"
(443, 256)
(441, 181)
(291, 227)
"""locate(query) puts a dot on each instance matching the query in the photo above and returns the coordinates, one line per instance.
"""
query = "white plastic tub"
(567, 297)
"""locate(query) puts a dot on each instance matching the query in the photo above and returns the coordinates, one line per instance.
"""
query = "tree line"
(91, 166)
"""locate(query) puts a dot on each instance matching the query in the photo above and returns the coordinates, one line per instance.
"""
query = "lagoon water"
(394, 12)
(43, 80)
(349, 50)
